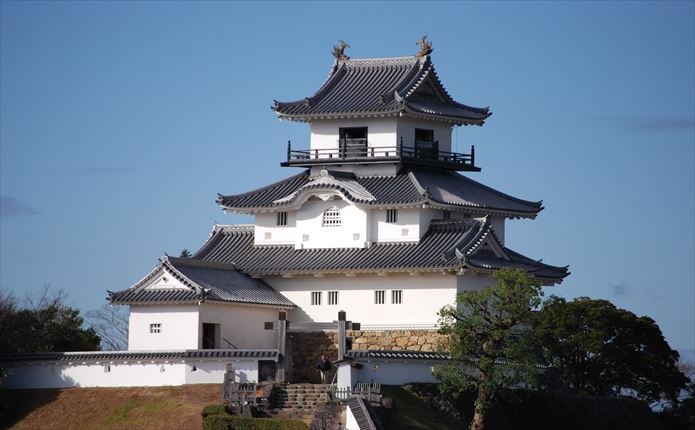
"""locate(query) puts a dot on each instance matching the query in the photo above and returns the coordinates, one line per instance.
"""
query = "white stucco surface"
(422, 297)
(179, 327)
(240, 325)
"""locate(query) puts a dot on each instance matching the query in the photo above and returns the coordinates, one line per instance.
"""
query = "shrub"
(215, 417)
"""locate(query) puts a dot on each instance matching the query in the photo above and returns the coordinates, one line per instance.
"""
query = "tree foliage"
(489, 343)
(111, 324)
(599, 349)
(43, 324)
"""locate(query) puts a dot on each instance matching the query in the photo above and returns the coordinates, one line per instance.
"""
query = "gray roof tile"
(382, 86)
(206, 281)
(201, 354)
(443, 247)
(408, 187)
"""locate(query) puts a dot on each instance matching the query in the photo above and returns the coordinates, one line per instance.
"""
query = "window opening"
(331, 217)
(425, 146)
(397, 297)
(282, 218)
(155, 328)
(315, 298)
(379, 297)
(353, 141)
(332, 297)
(391, 215)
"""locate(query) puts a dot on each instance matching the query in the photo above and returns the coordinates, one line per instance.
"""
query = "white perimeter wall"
(120, 374)
(241, 325)
(179, 327)
(422, 296)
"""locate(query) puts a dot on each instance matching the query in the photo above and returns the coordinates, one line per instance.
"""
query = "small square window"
(332, 297)
(331, 217)
(391, 215)
(282, 218)
(397, 297)
(379, 297)
(315, 298)
(156, 328)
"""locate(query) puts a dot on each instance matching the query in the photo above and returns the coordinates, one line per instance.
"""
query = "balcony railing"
(358, 151)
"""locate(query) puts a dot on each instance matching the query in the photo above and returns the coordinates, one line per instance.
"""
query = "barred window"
(397, 297)
(379, 297)
(331, 217)
(282, 218)
(156, 328)
(315, 298)
(332, 297)
(391, 215)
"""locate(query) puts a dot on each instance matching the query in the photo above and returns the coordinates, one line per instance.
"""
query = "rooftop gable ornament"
(339, 51)
(425, 47)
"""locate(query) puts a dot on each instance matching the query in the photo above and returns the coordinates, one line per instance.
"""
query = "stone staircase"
(299, 397)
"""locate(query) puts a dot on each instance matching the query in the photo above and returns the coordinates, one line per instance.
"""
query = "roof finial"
(339, 51)
(425, 47)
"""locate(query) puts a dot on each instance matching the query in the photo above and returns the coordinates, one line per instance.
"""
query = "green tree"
(489, 342)
(599, 349)
(43, 324)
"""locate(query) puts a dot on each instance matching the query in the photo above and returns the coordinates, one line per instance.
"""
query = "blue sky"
(121, 121)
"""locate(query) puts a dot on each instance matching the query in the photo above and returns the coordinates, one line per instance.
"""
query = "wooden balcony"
(426, 154)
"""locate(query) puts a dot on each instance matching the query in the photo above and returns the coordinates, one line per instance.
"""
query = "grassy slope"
(113, 408)
(412, 413)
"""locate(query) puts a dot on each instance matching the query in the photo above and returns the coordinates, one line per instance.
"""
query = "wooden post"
(282, 347)
(342, 338)
(472, 155)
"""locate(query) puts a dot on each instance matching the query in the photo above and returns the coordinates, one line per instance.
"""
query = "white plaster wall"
(179, 327)
(406, 229)
(241, 325)
(381, 132)
(120, 374)
(498, 226)
(423, 296)
(212, 372)
(310, 219)
(164, 280)
(426, 217)
(266, 223)
(406, 129)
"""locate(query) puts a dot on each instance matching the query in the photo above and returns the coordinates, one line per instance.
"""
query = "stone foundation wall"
(306, 347)
(397, 340)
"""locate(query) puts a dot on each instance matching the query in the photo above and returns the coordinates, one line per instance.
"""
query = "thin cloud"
(9, 207)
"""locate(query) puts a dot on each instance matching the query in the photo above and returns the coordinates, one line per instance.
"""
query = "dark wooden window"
(396, 297)
(332, 297)
(425, 146)
(353, 141)
(391, 215)
(282, 218)
(315, 298)
(379, 297)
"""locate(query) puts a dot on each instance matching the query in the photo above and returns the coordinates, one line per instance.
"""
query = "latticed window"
(156, 328)
(396, 297)
(331, 217)
(282, 218)
(332, 297)
(316, 298)
(379, 297)
(391, 215)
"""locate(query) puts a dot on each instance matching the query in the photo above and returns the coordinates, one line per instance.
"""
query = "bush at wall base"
(216, 417)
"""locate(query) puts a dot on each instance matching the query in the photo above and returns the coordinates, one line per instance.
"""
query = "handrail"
(369, 153)
(230, 343)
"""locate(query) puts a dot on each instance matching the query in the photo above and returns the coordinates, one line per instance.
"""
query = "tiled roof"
(409, 187)
(106, 356)
(206, 281)
(382, 86)
(395, 355)
(446, 245)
